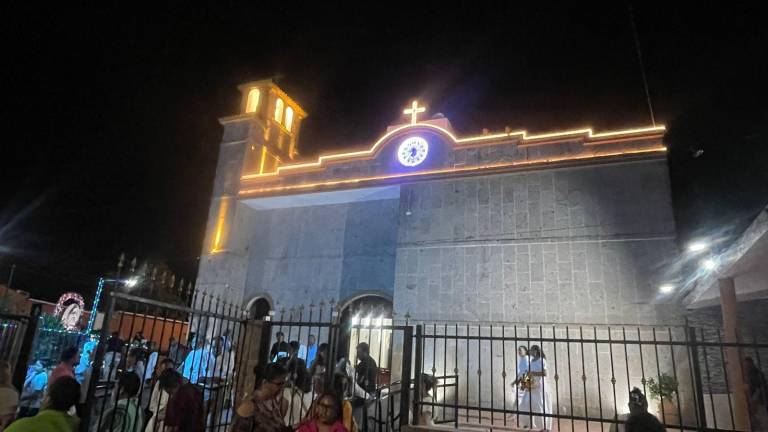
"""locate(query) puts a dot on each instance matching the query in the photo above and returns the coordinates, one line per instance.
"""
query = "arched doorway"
(259, 308)
(366, 305)
(366, 318)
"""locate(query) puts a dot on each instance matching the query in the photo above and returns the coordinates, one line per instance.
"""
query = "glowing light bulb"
(666, 288)
(698, 246)
(709, 264)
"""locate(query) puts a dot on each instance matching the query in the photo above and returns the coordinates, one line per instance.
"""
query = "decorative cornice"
(522, 137)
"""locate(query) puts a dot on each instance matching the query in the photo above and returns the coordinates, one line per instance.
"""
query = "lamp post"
(130, 283)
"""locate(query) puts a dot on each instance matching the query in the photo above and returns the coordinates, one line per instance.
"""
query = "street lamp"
(130, 283)
(709, 264)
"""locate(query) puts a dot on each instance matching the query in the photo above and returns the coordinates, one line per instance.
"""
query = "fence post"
(266, 338)
(100, 349)
(334, 329)
(417, 374)
(20, 372)
(693, 354)
(405, 380)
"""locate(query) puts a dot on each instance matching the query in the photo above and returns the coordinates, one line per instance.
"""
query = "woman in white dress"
(520, 373)
(522, 370)
(536, 393)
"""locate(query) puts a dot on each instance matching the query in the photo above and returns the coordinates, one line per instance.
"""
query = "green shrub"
(665, 388)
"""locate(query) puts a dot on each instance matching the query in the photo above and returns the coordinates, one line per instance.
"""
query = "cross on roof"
(414, 111)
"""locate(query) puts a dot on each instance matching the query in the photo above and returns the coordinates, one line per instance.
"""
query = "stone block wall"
(584, 245)
(308, 254)
(753, 330)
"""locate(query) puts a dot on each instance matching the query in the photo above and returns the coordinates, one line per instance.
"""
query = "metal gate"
(390, 346)
(474, 368)
(165, 323)
(13, 329)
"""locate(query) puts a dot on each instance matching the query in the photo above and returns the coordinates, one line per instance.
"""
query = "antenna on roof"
(642, 66)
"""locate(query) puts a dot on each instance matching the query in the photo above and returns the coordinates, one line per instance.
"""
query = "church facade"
(565, 227)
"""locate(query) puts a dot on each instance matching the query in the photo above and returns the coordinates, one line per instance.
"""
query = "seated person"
(126, 415)
(325, 415)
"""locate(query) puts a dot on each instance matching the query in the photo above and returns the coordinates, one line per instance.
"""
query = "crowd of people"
(301, 388)
(140, 390)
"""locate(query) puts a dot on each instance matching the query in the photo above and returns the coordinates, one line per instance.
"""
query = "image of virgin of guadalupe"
(70, 318)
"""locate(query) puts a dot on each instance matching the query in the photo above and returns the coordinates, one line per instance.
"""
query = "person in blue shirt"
(311, 350)
(195, 366)
(33, 390)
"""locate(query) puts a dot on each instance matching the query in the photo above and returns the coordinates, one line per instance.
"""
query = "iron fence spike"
(121, 260)
(133, 264)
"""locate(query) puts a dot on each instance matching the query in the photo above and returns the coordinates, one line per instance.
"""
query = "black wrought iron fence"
(581, 375)
(201, 334)
(328, 360)
(303, 338)
(713, 352)
(12, 331)
(579, 378)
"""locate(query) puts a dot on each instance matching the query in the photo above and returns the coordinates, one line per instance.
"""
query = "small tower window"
(252, 103)
(279, 110)
(288, 118)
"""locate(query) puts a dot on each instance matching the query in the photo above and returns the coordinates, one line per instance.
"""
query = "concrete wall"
(307, 254)
(585, 245)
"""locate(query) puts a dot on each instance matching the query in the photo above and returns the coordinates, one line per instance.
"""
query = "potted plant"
(665, 390)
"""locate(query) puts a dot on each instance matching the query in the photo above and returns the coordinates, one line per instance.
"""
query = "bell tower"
(262, 135)
(275, 124)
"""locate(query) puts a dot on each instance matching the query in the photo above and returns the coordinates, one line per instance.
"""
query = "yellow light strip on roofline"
(523, 134)
(449, 170)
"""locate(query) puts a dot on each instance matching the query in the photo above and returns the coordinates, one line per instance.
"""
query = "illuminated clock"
(412, 151)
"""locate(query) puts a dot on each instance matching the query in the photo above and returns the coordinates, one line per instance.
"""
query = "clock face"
(412, 151)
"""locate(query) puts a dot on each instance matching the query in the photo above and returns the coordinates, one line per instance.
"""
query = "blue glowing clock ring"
(412, 151)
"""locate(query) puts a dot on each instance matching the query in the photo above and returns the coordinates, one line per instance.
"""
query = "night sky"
(110, 131)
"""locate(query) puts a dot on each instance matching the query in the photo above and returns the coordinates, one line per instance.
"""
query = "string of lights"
(95, 308)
